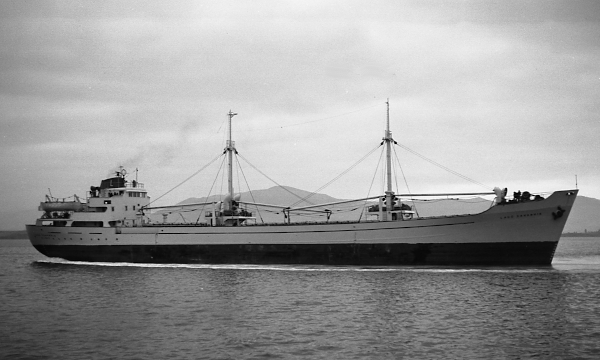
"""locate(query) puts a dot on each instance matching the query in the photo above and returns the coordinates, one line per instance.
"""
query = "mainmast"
(230, 148)
(388, 144)
(389, 194)
(230, 215)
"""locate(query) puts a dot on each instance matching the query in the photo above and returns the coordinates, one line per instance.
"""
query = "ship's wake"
(562, 265)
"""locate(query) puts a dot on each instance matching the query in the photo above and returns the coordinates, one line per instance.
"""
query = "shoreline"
(586, 234)
(13, 235)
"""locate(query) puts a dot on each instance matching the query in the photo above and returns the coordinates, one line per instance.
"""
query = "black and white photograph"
(300, 179)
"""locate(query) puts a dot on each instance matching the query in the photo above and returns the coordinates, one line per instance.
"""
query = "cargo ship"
(112, 225)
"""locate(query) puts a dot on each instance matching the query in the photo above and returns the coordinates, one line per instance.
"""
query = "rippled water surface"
(53, 309)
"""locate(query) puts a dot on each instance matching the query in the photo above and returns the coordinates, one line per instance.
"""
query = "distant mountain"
(585, 215)
(277, 195)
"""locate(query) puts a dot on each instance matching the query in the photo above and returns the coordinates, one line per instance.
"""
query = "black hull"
(486, 254)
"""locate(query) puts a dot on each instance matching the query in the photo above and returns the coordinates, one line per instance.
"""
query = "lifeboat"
(52, 204)
(61, 206)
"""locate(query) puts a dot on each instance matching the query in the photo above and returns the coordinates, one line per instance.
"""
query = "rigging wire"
(211, 187)
(442, 166)
(372, 182)
(313, 121)
(301, 199)
(184, 181)
(237, 170)
(275, 182)
(249, 191)
(337, 177)
(222, 181)
(395, 169)
(405, 181)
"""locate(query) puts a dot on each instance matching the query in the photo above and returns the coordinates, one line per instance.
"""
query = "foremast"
(389, 194)
(230, 149)
(228, 212)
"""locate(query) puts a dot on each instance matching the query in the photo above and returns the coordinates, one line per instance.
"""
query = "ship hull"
(488, 254)
(513, 234)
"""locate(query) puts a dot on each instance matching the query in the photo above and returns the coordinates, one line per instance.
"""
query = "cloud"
(495, 90)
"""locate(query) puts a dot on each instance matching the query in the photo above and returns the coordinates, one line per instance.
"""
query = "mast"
(388, 140)
(389, 194)
(230, 149)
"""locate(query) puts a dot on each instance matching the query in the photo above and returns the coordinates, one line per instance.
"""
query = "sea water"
(55, 309)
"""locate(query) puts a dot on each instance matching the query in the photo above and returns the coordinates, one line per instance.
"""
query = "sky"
(506, 93)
